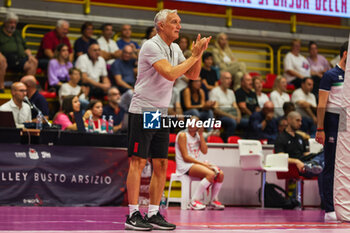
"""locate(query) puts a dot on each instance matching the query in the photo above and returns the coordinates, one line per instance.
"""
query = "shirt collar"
(12, 104)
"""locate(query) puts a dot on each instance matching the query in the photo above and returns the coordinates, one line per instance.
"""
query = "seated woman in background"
(193, 101)
(65, 117)
(95, 110)
(262, 97)
(57, 71)
(223, 57)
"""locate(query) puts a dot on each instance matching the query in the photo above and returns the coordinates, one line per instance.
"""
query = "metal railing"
(284, 49)
(257, 56)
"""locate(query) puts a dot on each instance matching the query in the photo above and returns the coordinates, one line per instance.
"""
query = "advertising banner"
(337, 8)
(43, 175)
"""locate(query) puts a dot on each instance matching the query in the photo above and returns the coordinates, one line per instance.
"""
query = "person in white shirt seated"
(225, 108)
(94, 71)
(20, 110)
(189, 144)
(279, 95)
(109, 48)
(296, 66)
(306, 105)
(262, 97)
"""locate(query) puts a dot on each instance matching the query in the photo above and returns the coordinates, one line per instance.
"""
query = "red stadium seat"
(233, 139)
(290, 87)
(172, 139)
(293, 174)
(47, 94)
(214, 139)
(254, 74)
(270, 79)
(171, 169)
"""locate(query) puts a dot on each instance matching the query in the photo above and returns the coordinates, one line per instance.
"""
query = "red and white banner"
(337, 8)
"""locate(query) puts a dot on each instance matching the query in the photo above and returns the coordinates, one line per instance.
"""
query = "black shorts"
(146, 143)
(15, 63)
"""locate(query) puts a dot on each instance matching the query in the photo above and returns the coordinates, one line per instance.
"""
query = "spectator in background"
(282, 124)
(305, 103)
(94, 71)
(296, 66)
(81, 45)
(279, 95)
(109, 49)
(113, 109)
(65, 117)
(51, 40)
(57, 71)
(223, 57)
(262, 97)
(246, 99)
(95, 110)
(263, 125)
(289, 141)
(189, 144)
(126, 40)
(318, 65)
(208, 73)
(184, 43)
(14, 54)
(20, 110)
(150, 32)
(193, 101)
(225, 108)
(72, 88)
(124, 70)
(35, 97)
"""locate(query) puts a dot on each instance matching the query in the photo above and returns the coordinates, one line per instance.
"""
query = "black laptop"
(7, 120)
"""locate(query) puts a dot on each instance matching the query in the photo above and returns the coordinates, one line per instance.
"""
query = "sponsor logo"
(151, 119)
(33, 154)
(21, 154)
(36, 201)
(45, 155)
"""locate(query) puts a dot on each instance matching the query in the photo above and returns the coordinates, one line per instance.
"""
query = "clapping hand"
(200, 45)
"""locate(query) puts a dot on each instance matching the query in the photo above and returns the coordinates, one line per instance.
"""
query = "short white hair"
(61, 22)
(11, 15)
(161, 16)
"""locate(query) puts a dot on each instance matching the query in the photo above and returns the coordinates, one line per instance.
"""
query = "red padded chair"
(293, 174)
(233, 139)
(270, 79)
(172, 139)
(215, 139)
(171, 169)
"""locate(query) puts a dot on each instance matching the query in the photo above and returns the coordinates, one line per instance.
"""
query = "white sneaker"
(196, 205)
(215, 205)
(330, 217)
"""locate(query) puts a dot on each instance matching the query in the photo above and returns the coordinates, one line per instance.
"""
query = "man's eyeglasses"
(22, 90)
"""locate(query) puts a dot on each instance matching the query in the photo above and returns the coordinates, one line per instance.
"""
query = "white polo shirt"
(152, 90)
(94, 71)
(296, 63)
(20, 115)
(110, 47)
(299, 94)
